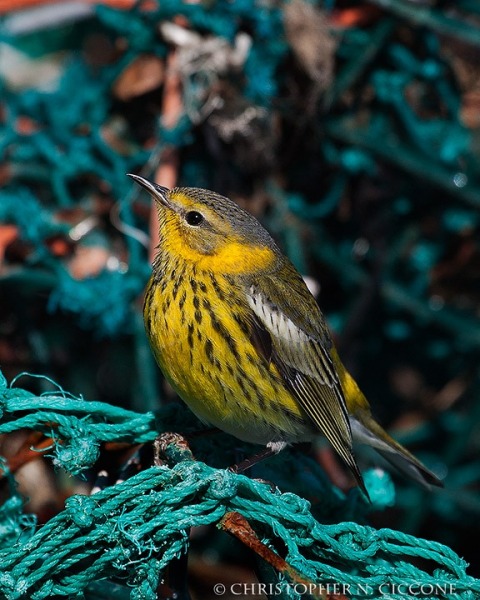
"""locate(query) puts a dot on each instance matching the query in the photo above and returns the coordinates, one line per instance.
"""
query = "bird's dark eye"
(193, 217)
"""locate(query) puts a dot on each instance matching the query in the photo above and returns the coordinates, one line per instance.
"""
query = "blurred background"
(350, 129)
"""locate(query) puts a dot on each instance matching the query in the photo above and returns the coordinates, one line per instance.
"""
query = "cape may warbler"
(241, 339)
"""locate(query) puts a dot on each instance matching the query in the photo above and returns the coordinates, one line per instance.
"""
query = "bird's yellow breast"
(197, 324)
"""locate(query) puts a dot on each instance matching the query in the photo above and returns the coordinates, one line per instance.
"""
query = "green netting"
(132, 530)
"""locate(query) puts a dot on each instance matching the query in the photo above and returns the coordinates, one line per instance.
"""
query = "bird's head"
(210, 230)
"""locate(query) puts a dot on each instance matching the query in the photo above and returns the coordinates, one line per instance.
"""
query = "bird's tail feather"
(367, 431)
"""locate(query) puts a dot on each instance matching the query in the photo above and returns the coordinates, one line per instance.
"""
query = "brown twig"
(31, 449)
(167, 171)
(15, 5)
(355, 16)
(237, 525)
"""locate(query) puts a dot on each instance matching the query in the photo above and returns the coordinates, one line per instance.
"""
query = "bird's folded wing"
(299, 344)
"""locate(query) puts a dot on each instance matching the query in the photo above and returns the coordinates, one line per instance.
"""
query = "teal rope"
(15, 526)
(141, 524)
(434, 19)
(144, 521)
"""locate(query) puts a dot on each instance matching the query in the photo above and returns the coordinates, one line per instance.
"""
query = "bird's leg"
(270, 449)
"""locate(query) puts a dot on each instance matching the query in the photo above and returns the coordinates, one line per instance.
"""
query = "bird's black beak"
(159, 193)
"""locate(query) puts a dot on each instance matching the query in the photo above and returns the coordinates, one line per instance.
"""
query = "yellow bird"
(241, 339)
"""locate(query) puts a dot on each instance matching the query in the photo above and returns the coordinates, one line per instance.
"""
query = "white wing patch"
(299, 350)
(274, 320)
